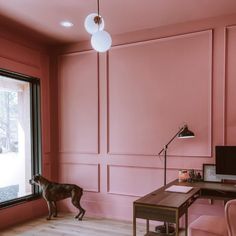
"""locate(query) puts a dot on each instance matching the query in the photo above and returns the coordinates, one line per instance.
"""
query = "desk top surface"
(162, 198)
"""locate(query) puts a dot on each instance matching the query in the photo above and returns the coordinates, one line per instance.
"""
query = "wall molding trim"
(225, 102)
(84, 165)
(147, 42)
(97, 151)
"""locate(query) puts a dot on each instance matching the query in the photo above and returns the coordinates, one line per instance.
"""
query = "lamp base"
(162, 229)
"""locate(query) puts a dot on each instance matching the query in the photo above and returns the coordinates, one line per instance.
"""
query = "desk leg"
(147, 226)
(177, 225)
(134, 223)
(186, 223)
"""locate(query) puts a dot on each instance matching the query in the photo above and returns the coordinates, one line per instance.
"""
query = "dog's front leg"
(49, 210)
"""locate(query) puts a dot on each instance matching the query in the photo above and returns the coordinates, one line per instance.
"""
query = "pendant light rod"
(98, 7)
(98, 18)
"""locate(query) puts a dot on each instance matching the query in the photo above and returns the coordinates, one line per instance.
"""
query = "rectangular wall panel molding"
(78, 99)
(156, 86)
(230, 85)
(86, 176)
(136, 181)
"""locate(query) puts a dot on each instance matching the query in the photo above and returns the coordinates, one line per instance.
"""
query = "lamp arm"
(166, 146)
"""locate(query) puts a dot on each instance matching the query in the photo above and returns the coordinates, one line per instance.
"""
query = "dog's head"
(36, 179)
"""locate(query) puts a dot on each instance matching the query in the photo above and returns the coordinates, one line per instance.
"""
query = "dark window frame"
(36, 143)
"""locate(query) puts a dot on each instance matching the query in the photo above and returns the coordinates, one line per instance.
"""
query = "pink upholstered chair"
(215, 225)
(230, 215)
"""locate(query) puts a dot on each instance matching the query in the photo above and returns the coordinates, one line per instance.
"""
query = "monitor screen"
(226, 160)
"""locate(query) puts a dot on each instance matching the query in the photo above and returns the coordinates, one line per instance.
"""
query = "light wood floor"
(66, 225)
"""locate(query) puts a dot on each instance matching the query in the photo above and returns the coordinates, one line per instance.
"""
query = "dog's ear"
(36, 177)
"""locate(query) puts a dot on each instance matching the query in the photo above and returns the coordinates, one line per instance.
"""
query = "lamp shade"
(186, 133)
(92, 25)
(101, 41)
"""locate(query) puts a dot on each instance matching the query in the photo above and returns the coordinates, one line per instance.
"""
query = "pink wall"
(19, 55)
(116, 113)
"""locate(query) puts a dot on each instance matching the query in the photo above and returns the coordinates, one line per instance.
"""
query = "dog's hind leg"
(50, 206)
(76, 196)
(54, 208)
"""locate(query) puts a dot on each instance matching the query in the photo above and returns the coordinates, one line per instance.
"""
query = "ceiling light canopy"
(94, 24)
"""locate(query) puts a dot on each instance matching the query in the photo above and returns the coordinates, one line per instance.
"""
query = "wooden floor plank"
(66, 225)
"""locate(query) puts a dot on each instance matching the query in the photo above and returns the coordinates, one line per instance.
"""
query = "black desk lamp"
(183, 132)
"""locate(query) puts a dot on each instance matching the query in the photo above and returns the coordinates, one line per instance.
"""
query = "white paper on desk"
(179, 189)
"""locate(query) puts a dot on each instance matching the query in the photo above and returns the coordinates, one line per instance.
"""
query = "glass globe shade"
(101, 41)
(91, 26)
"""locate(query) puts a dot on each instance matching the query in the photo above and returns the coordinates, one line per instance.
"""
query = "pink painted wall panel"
(47, 170)
(156, 86)
(20, 53)
(84, 175)
(18, 67)
(78, 99)
(230, 86)
(45, 104)
(136, 181)
(22, 212)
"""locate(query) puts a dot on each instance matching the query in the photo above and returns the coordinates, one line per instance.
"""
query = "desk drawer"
(152, 213)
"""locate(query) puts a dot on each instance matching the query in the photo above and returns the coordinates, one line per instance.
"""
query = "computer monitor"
(226, 162)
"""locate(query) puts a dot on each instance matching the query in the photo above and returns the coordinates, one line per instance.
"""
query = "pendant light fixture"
(94, 24)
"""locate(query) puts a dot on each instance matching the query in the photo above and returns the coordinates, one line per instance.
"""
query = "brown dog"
(53, 192)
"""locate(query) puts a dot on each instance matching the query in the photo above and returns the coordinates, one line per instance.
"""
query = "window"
(20, 147)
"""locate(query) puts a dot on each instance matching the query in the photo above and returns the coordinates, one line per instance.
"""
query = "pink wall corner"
(53, 117)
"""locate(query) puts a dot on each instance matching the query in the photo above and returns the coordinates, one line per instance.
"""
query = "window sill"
(18, 201)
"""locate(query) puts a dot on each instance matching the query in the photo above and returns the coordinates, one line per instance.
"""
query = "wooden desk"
(222, 191)
(169, 207)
